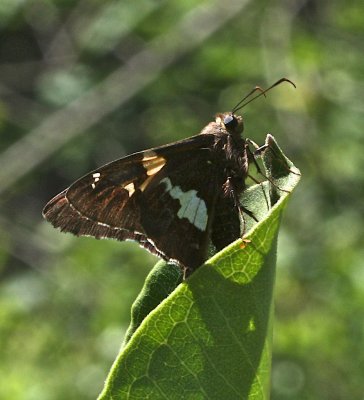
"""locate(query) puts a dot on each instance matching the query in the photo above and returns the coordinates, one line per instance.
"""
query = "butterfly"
(174, 200)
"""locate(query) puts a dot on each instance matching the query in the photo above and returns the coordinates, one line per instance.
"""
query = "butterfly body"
(174, 200)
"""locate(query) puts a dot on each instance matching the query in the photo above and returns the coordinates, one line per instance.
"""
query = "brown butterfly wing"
(151, 197)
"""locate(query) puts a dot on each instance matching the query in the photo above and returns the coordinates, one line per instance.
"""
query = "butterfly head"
(230, 122)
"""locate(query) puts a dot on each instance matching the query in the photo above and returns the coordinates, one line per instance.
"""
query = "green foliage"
(160, 283)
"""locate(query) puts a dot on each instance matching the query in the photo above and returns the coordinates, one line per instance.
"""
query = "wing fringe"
(61, 214)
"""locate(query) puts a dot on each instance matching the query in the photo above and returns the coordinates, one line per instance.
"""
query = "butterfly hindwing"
(178, 204)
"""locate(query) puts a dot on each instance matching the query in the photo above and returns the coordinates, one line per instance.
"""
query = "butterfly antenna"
(257, 88)
(262, 93)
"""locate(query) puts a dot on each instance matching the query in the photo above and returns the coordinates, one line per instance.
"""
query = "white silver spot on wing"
(96, 175)
(192, 207)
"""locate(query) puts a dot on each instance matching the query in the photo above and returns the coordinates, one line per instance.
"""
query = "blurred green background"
(85, 82)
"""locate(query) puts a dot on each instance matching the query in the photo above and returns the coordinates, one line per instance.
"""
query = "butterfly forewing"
(146, 197)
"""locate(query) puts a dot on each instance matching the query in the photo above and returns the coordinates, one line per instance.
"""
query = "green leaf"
(211, 337)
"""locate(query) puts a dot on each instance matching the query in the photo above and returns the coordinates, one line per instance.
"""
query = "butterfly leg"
(230, 190)
(253, 155)
(242, 210)
(186, 271)
(259, 150)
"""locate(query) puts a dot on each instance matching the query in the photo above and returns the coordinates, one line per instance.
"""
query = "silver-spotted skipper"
(174, 200)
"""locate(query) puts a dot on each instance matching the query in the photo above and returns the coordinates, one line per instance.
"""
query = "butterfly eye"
(230, 122)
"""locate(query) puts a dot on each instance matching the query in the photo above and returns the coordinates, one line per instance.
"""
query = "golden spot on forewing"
(130, 188)
(149, 155)
(154, 170)
(153, 164)
(144, 185)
